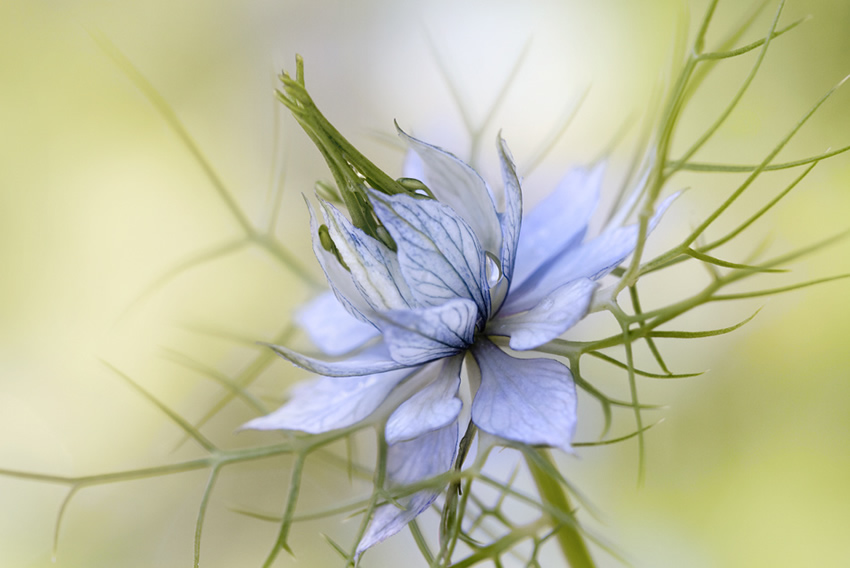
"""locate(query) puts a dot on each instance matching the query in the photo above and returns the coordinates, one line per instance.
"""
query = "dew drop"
(493, 268)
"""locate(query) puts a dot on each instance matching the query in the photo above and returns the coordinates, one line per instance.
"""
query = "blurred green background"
(98, 198)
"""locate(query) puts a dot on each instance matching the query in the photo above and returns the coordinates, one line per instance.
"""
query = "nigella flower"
(409, 317)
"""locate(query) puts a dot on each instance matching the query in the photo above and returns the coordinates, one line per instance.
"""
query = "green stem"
(569, 536)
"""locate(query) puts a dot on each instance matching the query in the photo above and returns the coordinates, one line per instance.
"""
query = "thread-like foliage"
(477, 526)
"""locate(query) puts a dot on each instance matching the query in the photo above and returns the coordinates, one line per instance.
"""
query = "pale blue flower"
(462, 272)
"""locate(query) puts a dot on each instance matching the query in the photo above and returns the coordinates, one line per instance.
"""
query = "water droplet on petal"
(493, 268)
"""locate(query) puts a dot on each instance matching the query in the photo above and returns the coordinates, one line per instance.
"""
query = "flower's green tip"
(354, 174)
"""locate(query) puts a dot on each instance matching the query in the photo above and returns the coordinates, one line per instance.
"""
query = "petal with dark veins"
(551, 317)
(418, 336)
(331, 403)
(434, 406)
(531, 401)
(373, 267)
(457, 185)
(338, 277)
(374, 359)
(410, 462)
(439, 254)
(511, 219)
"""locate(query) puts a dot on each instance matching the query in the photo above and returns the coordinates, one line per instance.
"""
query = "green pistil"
(352, 171)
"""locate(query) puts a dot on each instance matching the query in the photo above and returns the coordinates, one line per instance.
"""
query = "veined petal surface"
(331, 403)
(417, 336)
(439, 254)
(373, 267)
(409, 462)
(511, 219)
(551, 317)
(532, 401)
(374, 359)
(434, 406)
(338, 278)
(457, 185)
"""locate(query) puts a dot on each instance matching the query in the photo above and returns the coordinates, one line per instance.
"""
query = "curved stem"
(569, 536)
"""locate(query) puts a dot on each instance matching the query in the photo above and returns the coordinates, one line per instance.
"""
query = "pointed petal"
(330, 403)
(440, 256)
(373, 267)
(433, 407)
(559, 221)
(338, 278)
(532, 401)
(413, 166)
(511, 219)
(459, 186)
(593, 259)
(425, 334)
(331, 328)
(409, 462)
(551, 317)
(375, 359)
(599, 256)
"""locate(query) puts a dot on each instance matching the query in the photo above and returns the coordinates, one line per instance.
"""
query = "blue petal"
(421, 335)
(375, 359)
(511, 219)
(338, 278)
(460, 187)
(330, 403)
(532, 401)
(593, 259)
(372, 266)
(433, 407)
(331, 328)
(558, 222)
(551, 317)
(410, 462)
(440, 256)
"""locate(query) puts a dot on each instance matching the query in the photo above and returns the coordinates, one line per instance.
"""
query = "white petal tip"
(260, 423)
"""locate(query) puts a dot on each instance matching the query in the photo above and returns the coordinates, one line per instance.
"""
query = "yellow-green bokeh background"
(98, 198)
